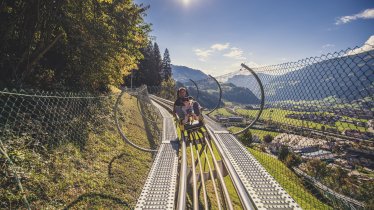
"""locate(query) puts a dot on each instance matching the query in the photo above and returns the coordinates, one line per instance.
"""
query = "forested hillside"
(60, 64)
(77, 45)
(70, 45)
(337, 77)
(184, 74)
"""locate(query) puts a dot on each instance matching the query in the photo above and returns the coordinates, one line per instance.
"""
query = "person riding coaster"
(189, 115)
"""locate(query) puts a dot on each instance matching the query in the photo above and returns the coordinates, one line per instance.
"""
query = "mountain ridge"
(184, 73)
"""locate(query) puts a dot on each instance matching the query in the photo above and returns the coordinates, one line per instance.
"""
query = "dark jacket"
(179, 101)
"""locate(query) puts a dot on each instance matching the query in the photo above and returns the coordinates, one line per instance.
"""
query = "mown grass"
(104, 173)
(260, 133)
(284, 176)
(279, 116)
(221, 111)
(289, 181)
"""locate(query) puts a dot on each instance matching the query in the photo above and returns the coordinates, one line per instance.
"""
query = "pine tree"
(157, 65)
(166, 66)
(144, 74)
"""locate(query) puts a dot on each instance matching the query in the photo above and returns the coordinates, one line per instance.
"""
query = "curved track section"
(220, 95)
(160, 188)
(124, 137)
(262, 99)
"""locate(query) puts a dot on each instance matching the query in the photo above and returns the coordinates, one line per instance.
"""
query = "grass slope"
(278, 115)
(104, 173)
(289, 181)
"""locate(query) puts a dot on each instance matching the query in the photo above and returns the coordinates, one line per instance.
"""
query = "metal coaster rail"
(227, 199)
(255, 187)
(192, 139)
(250, 198)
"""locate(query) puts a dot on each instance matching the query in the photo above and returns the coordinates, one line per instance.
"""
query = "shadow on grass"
(110, 173)
(96, 196)
(151, 127)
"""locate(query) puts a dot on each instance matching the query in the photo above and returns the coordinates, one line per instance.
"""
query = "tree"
(70, 44)
(144, 73)
(166, 65)
(150, 66)
(292, 160)
(268, 138)
(246, 138)
(157, 65)
(168, 89)
(317, 168)
(283, 153)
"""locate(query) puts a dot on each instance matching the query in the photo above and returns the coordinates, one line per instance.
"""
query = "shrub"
(268, 138)
(246, 138)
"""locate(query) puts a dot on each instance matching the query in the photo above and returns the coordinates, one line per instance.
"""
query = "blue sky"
(215, 36)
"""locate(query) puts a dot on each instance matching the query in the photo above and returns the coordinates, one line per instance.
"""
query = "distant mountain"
(208, 89)
(209, 94)
(349, 78)
(249, 81)
(184, 74)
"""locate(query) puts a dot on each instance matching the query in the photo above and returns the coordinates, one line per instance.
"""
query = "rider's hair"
(182, 88)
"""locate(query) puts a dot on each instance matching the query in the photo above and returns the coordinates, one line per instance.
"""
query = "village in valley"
(311, 135)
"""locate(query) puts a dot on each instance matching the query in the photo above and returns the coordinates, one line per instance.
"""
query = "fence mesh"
(315, 136)
(317, 121)
(62, 150)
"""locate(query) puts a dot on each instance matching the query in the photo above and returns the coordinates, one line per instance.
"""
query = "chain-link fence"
(315, 136)
(62, 149)
(317, 120)
(316, 131)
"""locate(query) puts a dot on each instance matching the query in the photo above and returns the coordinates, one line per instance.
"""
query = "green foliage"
(268, 138)
(70, 44)
(283, 153)
(292, 160)
(104, 173)
(278, 116)
(166, 65)
(340, 181)
(289, 181)
(168, 89)
(150, 67)
(260, 133)
(317, 168)
(246, 138)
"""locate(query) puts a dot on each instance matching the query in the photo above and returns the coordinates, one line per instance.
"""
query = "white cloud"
(369, 45)
(253, 64)
(235, 53)
(327, 46)
(220, 47)
(203, 54)
(366, 14)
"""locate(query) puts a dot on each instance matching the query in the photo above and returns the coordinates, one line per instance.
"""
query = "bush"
(268, 138)
(283, 153)
(246, 138)
(292, 160)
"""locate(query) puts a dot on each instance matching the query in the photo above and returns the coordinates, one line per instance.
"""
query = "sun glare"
(186, 2)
